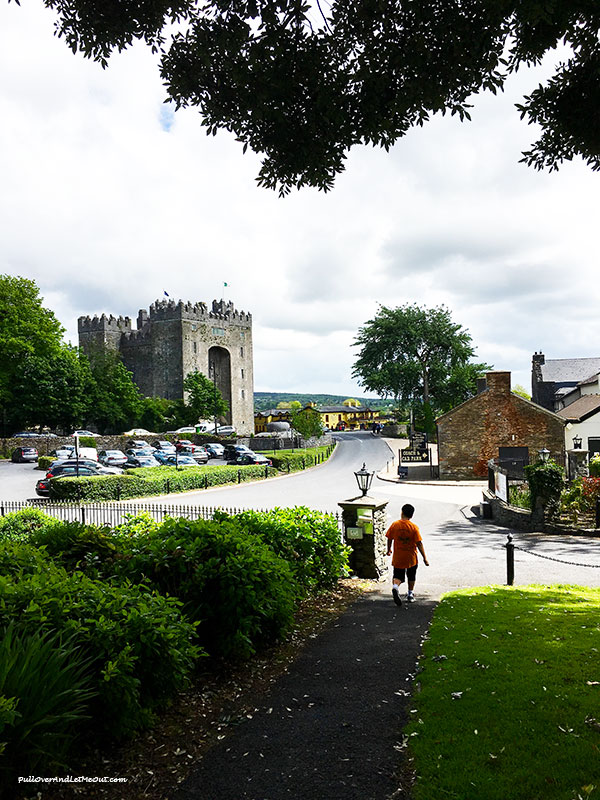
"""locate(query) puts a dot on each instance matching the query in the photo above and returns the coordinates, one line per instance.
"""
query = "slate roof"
(569, 370)
(581, 409)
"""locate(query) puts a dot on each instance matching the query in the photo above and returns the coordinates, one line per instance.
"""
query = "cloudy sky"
(108, 199)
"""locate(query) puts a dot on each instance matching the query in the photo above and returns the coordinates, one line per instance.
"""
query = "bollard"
(510, 561)
(239, 475)
(598, 513)
(168, 486)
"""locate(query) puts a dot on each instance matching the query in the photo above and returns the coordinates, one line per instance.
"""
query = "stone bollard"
(365, 523)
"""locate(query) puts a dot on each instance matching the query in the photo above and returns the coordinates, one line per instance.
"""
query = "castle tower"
(173, 339)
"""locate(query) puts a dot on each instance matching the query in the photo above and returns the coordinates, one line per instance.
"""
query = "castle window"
(194, 326)
(243, 394)
(218, 331)
(242, 335)
(195, 348)
(242, 371)
(242, 352)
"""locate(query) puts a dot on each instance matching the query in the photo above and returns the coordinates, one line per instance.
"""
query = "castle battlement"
(103, 323)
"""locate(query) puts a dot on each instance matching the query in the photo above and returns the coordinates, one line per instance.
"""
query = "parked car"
(198, 453)
(71, 466)
(84, 433)
(139, 451)
(183, 443)
(61, 453)
(251, 458)
(42, 487)
(25, 435)
(164, 446)
(179, 461)
(112, 458)
(234, 450)
(225, 430)
(137, 462)
(214, 449)
(24, 454)
(140, 444)
(186, 429)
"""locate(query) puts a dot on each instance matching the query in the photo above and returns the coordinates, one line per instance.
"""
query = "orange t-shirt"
(405, 536)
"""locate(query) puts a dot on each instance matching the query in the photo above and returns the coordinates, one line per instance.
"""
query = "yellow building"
(349, 415)
(262, 418)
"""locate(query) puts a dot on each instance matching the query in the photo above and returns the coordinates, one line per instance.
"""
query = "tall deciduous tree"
(204, 400)
(301, 83)
(116, 402)
(307, 422)
(418, 356)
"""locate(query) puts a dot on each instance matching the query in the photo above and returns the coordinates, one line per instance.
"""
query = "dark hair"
(408, 510)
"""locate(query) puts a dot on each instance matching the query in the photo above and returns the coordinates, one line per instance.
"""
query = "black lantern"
(544, 454)
(577, 441)
(364, 479)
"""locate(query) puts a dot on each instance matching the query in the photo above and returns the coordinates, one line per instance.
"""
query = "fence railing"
(118, 513)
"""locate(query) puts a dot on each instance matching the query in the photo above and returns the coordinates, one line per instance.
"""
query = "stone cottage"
(496, 424)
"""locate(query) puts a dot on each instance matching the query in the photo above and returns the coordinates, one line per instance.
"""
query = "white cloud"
(109, 197)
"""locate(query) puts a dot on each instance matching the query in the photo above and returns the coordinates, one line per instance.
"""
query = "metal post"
(510, 561)
(598, 513)
(168, 486)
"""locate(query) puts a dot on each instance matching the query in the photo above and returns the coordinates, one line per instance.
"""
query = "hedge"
(153, 481)
(295, 460)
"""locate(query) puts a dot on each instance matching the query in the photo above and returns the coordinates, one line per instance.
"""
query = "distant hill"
(266, 400)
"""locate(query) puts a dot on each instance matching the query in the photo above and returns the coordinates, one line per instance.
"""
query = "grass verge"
(508, 699)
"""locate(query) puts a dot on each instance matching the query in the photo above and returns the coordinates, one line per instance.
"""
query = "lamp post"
(544, 454)
(364, 478)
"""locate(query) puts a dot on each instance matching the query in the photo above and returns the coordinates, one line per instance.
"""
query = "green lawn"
(507, 705)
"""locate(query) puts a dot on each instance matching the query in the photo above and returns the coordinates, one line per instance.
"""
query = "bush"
(590, 492)
(152, 481)
(44, 462)
(76, 546)
(293, 461)
(19, 524)
(546, 481)
(308, 540)
(88, 441)
(21, 558)
(137, 524)
(519, 496)
(139, 647)
(595, 466)
(45, 693)
(238, 591)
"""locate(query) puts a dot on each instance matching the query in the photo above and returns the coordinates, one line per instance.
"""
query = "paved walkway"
(331, 727)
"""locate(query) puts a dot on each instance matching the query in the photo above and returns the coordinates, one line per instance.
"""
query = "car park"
(214, 449)
(24, 454)
(112, 458)
(251, 458)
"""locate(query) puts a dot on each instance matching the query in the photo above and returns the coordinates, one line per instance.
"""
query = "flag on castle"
(166, 294)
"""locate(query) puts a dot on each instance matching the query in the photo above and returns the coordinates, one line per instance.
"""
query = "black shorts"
(411, 573)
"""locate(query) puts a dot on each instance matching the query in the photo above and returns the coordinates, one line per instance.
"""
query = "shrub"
(292, 461)
(137, 524)
(308, 540)
(139, 647)
(519, 496)
(21, 558)
(45, 693)
(152, 481)
(19, 524)
(590, 492)
(44, 462)
(74, 545)
(595, 466)
(88, 441)
(546, 482)
(234, 586)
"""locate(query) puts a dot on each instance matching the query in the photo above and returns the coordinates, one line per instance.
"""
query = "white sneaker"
(396, 595)
(410, 597)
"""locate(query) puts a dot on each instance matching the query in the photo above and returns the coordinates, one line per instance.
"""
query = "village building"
(496, 424)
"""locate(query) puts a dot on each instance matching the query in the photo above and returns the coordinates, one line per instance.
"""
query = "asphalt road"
(462, 550)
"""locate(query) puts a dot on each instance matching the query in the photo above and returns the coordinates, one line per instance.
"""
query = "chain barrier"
(510, 559)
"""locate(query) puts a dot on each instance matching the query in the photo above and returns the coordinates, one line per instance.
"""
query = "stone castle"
(173, 339)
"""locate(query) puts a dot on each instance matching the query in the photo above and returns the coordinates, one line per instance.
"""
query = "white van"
(86, 452)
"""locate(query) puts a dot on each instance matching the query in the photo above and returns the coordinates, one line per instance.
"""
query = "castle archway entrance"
(219, 371)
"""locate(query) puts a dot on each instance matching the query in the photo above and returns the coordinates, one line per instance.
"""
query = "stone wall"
(521, 519)
(472, 433)
(367, 559)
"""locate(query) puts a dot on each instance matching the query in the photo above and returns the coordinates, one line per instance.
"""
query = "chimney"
(498, 382)
(538, 358)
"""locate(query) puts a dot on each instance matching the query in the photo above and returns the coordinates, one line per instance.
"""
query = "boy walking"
(406, 540)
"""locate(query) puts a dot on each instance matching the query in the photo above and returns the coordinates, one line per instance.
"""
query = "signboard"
(403, 472)
(354, 533)
(418, 441)
(501, 486)
(414, 456)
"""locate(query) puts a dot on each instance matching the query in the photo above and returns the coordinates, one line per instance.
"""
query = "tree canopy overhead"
(300, 83)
